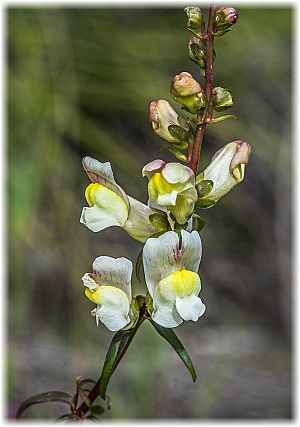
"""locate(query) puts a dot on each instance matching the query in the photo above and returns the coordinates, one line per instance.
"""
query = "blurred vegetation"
(79, 81)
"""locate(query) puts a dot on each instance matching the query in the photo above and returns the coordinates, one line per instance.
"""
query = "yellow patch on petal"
(180, 284)
(94, 296)
(110, 203)
(158, 186)
(106, 294)
(239, 172)
(90, 192)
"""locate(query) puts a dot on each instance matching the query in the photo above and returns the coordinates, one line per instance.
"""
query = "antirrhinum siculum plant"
(168, 226)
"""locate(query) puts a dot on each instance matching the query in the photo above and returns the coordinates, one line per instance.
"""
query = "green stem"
(94, 393)
(207, 114)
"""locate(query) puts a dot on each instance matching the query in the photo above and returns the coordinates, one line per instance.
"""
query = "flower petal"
(183, 209)
(89, 282)
(176, 173)
(161, 257)
(114, 272)
(167, 316)
(227, 168)
(114, 309)
(152, 167)
(190, 307)
(109, 209)
(103, 174)
(138, 224)
(191, 250)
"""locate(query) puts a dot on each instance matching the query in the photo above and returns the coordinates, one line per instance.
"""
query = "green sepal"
(49, 396)
(159, 219)
(204, 187)
(169, 335)
(222, 118)
(199, 36)
(149, 303)
(198, 222)
(199, 177)
(177, 153)
(223, 108)
(222, 32)
(205, 203)
(138, 265)
(192, 103)
(183, 123)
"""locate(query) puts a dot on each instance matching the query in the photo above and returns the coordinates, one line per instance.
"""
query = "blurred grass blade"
(169, 335)
(50, 396)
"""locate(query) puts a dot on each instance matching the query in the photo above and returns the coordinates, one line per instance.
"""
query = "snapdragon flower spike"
(172, 185)
(226, 170)
(171, 273)
(109, 287)
(109, 205)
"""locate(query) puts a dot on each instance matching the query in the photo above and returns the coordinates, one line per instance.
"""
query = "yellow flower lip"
(180, 284)
(90, 192)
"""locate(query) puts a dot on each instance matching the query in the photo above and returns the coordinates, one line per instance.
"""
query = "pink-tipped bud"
(226, 15)
(184, 84)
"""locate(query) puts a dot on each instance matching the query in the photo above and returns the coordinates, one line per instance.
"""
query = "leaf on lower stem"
(169, 335)
(50, 396)
(116, 351)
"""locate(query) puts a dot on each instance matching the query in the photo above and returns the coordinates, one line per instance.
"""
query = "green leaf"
(205, 203)
(116, 351)
(169, 335)
(68, 417)
(49, 396)
(198, 222)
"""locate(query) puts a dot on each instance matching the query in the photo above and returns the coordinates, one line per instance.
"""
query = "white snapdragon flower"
(226, 170)
(171, 273)
(109, 287)
(172, 185)
(110, 206)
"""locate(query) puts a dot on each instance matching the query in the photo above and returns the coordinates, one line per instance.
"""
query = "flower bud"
(194, 15)
(184, 84)
(221, 98)
(167, 124)
(226, 170)
(225, 17)
(188, 92)
(197, 53)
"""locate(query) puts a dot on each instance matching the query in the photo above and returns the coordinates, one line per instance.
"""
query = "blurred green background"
(79, 81)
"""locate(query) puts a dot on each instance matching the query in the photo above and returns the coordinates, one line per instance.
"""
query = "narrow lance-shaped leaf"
(116, 351)
(169, 335)
(50, 396)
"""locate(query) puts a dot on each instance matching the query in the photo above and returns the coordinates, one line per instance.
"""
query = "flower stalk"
(206, 116)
